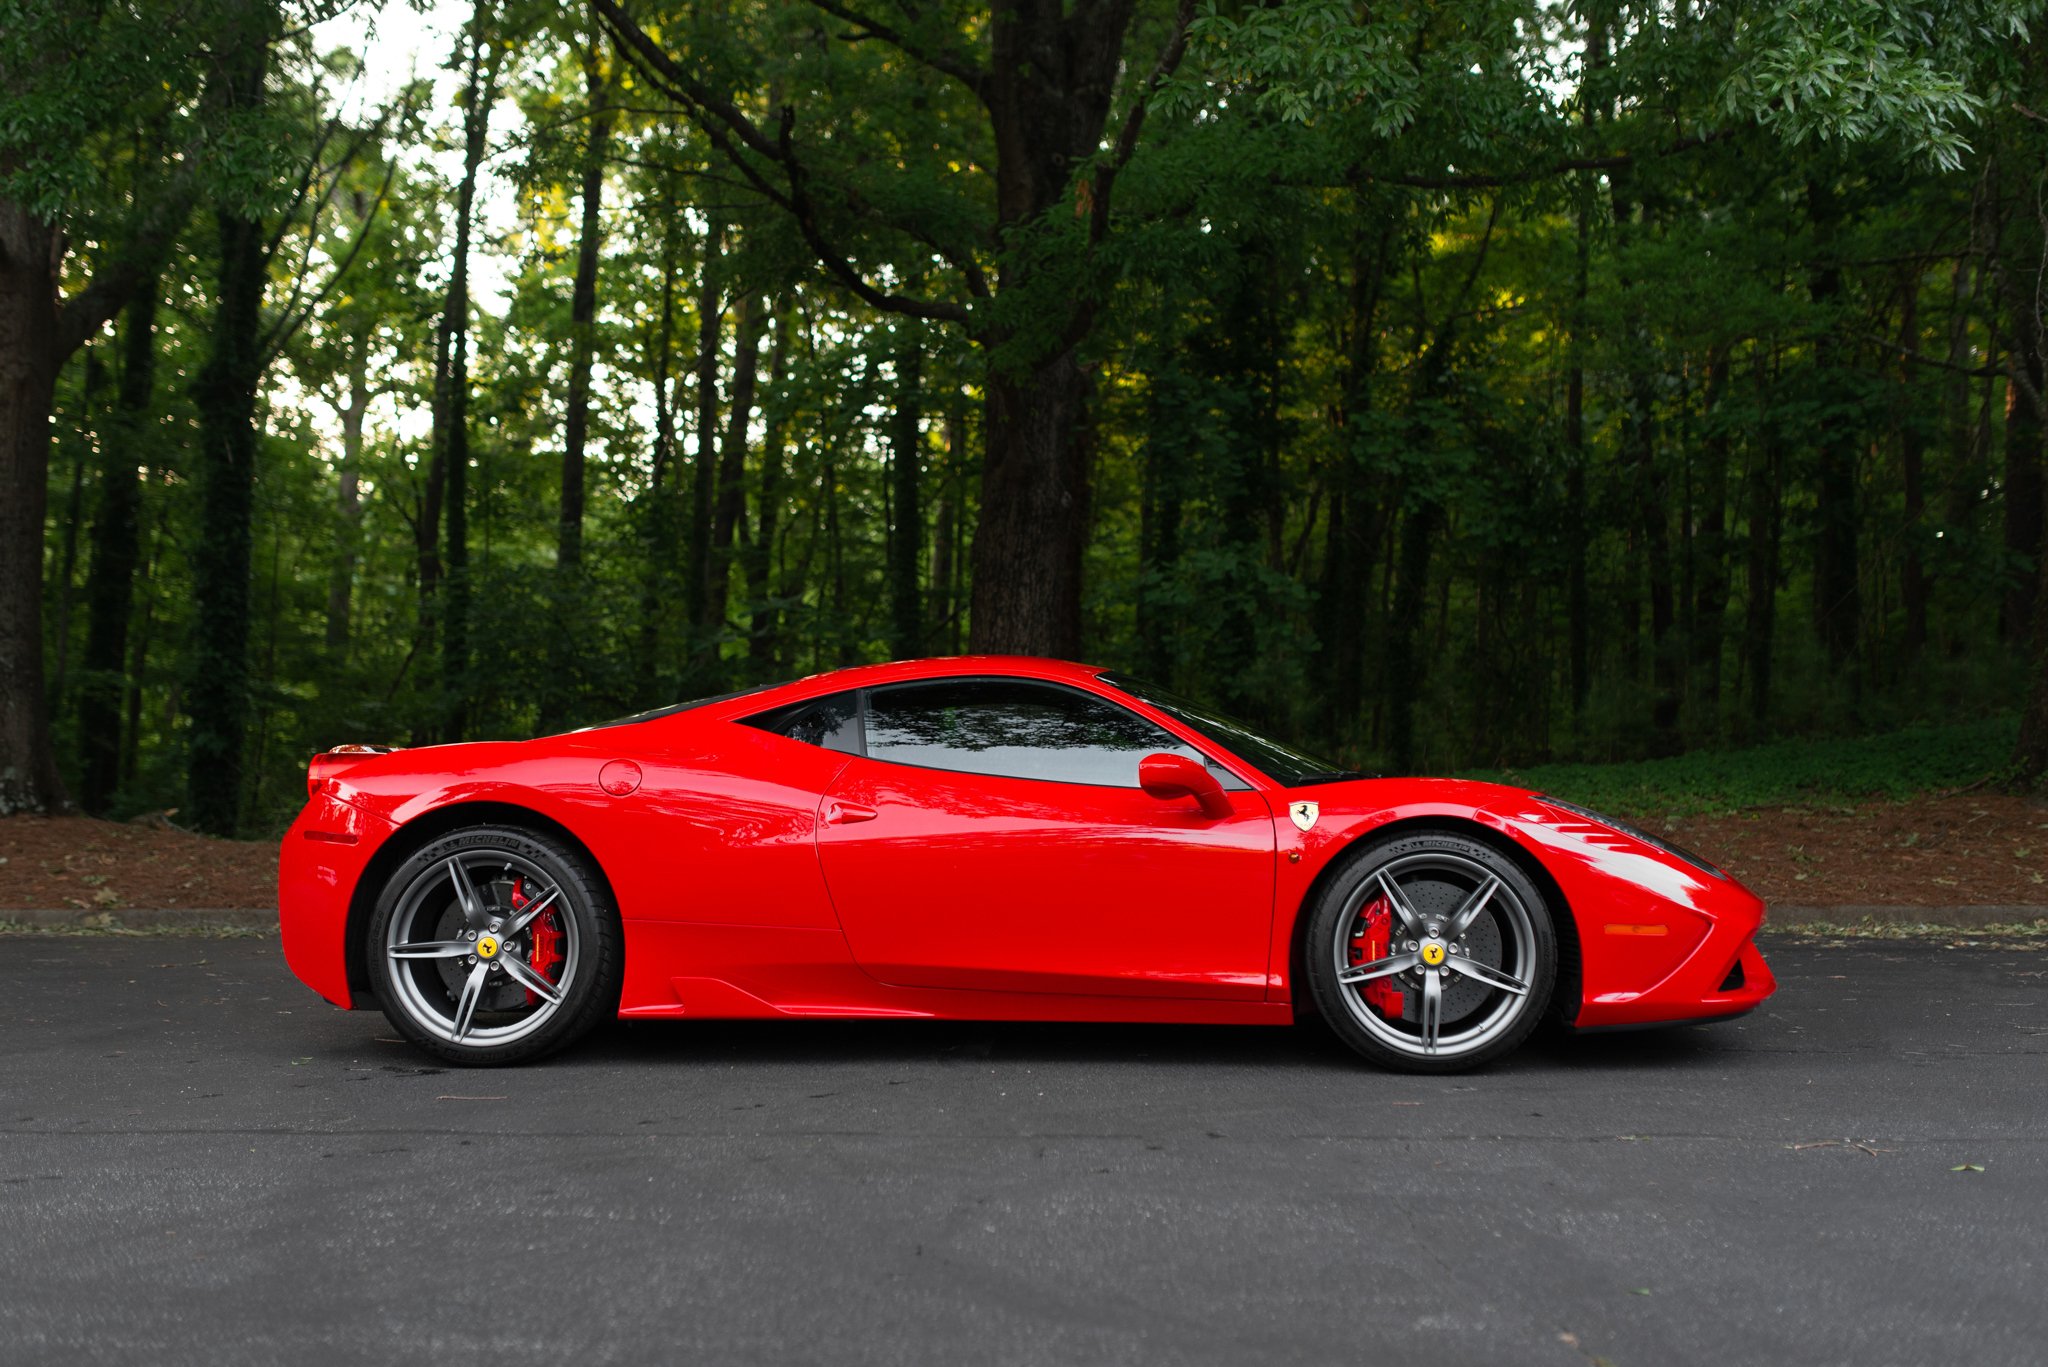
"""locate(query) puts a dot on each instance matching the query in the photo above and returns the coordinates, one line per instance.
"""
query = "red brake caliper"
(547, 939)
(1370, 943)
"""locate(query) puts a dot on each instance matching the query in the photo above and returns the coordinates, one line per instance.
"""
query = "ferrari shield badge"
(1304, 814)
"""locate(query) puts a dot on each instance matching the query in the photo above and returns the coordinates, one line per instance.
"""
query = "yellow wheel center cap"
(1433, 953)
(487, 947)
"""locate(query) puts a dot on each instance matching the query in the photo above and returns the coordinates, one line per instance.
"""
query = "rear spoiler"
(329, 763)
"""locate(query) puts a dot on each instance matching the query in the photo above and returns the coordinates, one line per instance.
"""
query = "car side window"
(831, 722)
(1015, 728)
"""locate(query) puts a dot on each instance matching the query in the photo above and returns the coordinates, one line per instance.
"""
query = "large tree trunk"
(117, 544)
(30, 254)
(225, 395)
(1034, 508)
(1051, 78)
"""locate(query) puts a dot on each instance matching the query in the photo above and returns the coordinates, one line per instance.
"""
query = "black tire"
(1437, 873)
(424, 975)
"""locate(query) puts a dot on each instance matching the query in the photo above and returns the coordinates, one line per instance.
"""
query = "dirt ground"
(1967, 849)
(1970, 849)
(74, 861)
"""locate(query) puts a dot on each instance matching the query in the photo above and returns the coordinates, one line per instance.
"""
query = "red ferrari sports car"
(987, 839)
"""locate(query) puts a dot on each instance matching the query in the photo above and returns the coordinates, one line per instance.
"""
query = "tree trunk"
(1838, 608)
(1578, 601)
(1034, 500)
(225, 396)
(660, 515)
(138, 661)
(2023, 494)
(448, 469)
(2030, 755)
(1051, 76)
(1710, 547)
(348, 502)
(697, 586)
(1765, 500)
(1653, 494)
(945, 608)
(1170, 411)
(117, 545)
(74, 519)
(764, 624)
(31, 252)
(1356, 520)
(1912, 449)
(1402, 681)
(730, 503)
(906, 532)
(583, 315)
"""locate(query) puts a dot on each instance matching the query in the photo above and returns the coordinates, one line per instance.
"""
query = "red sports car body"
(974, 839)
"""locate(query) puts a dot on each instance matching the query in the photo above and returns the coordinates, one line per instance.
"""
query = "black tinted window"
(1013, 728)
(1283, 762)
(832, 722)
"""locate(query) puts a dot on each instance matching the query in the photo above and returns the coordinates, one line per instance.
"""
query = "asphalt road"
(200, 1163)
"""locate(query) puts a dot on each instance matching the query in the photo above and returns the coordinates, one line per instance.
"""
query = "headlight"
(1634, 832)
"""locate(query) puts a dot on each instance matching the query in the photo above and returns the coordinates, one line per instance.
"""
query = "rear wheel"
(1431, 953)
(494, 945)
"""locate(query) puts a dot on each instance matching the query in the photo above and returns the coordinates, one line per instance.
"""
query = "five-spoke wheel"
(494, 944)
(1431, 952)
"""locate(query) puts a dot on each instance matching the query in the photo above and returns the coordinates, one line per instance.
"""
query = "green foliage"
(1410, 322)
(1871, 71)
(1789, 773)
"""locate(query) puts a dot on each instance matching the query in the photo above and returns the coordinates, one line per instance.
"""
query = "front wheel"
(1431, 953)
(494, 945)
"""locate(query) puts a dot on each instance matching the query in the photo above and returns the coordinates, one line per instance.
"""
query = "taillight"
(329, 763)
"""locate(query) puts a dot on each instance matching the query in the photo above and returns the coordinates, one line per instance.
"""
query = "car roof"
(899, 671)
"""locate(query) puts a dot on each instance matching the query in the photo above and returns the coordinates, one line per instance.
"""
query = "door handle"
(848, 813)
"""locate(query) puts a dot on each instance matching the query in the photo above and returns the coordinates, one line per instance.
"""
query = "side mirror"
(1171, 777)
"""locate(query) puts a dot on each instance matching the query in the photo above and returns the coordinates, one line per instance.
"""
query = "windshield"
(1283, 763)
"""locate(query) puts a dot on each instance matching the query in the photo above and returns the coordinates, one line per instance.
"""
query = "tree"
(71, 75)
(1043, 89)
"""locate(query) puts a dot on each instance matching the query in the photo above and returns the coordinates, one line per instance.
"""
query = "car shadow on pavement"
(1304, 1048)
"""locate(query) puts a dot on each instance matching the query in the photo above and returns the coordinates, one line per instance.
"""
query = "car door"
(993, 836)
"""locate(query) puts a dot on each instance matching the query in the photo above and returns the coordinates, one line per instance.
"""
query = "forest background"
(1457, 385)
